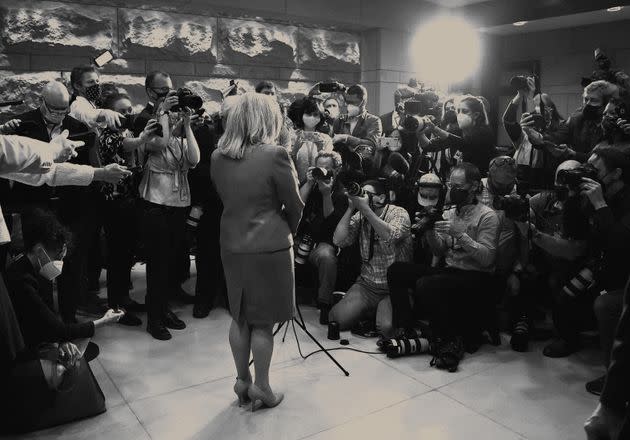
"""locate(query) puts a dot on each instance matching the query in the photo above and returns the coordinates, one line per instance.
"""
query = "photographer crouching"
(382, 230)
(455, 295)
(325, 204)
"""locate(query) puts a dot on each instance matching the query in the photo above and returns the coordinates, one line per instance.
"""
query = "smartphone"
(103, 58)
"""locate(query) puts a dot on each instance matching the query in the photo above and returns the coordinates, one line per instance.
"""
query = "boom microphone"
(398, 163)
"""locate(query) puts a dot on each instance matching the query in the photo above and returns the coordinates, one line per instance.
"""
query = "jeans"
(120, 232)
(363, 301)
(163, 233)
(324, 258)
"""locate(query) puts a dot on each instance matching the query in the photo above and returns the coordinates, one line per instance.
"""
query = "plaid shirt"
(387, 250)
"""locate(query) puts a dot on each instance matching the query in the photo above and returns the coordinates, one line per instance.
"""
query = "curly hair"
(333, 155)
(603, 88)
(40, 226)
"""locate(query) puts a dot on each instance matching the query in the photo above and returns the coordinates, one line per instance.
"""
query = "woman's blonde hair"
(254, 119)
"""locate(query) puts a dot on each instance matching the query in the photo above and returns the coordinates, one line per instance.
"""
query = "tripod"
(301, 324)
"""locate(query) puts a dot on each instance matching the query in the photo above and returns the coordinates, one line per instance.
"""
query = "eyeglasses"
(164, 89)
(450, 185)
(56, 110)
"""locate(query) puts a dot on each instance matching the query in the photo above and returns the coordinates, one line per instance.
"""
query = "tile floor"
(182, 389)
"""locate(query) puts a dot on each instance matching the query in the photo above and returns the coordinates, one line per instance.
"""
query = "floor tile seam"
(379, 358)
(139, 421)
(520, 434)
(362, 416)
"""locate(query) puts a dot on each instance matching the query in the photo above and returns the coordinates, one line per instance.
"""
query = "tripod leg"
(286, 329)
(303, 327)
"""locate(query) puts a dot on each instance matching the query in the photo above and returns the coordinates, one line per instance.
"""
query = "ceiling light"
(615, 9)
(519, 23)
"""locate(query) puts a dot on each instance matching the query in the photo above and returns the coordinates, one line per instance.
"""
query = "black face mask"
(562, 193)
(93, 93)
(459, 196)
(592, 113)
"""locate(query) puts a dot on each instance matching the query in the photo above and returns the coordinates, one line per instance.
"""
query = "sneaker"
(365, 329)
(159, 332)
(560, 348)
(520, 336)
(596, 386)
(447, 355)
(170, 320)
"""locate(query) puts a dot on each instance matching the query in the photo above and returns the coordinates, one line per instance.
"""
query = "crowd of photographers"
(417, 215)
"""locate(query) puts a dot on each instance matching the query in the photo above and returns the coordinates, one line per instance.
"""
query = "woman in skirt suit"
(258, 185)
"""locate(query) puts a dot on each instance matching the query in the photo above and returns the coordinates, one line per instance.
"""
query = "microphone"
(398, 163)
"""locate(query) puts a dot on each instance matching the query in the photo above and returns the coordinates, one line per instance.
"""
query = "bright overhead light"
(519, 23)
(615, 9)
(452, 57)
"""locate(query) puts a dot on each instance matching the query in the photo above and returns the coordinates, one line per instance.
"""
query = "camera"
(426, 220)
(331, 87)
(405, 346)
(320, 173)
(540, 125)
(519, 82)
(187, 99)
(126, 123)
(516, 207)
(351, 181)
(573, 178)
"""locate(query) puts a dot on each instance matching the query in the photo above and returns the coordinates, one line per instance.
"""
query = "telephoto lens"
(304, 249)
(354, 190)
(406, 346)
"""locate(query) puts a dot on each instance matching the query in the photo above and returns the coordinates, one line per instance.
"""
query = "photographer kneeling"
(453, 296)
(325, 204)
(383, 233)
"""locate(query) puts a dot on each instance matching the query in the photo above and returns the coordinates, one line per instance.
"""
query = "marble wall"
(43, 40)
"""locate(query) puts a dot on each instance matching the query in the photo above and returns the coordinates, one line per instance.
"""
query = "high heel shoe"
(268, 400)
(241, 388)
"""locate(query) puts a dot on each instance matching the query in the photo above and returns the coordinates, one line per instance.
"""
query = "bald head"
(56, 94)
(567, 165)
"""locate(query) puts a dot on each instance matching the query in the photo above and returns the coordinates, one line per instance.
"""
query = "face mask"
(93, 93)
(353, 110)
(592, 113)
(459, 196)
(310, 121)
(426, 202)
(51, 269)
(161, 95)
(450, 117)
(562, 193)
(464, 121)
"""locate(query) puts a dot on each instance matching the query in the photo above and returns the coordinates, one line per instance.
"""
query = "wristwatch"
(161, 113)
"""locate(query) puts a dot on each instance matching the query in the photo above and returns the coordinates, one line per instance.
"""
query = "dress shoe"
(129, 319)
(560, 348)
(158, 331)
(170, 320)
(268, 399)
(201, 310)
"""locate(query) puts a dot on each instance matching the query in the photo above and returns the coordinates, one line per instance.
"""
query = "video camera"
(573, 178)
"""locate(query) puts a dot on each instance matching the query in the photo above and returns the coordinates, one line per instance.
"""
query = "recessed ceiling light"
(519, 23)
(615, 9)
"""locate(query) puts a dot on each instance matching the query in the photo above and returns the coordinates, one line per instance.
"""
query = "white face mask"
(426, 202)
(333, 111)
(353, 110)
(464, 121)
(310, 121)
(51, 269)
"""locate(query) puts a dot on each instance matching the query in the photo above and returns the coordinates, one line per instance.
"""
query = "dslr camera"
(426, 221)
(573, 178)
(331, 87)
(516, 207)
(519, 82)
(351, 180)
(187, 98)
(320, 173)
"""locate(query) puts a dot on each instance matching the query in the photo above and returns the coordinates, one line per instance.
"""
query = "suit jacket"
(261, 200)
(24, 194)
(366, 132)
(386, 122)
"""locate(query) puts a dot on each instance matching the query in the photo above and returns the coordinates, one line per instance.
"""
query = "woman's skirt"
(261, 286)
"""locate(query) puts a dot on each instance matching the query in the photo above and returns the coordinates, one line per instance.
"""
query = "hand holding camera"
(621, 123)
(447, 227)
(10, 127)
(114, 173)
(360, 202)
(110, 317)
(69, 354)
(171, 101)
(153, 128)
(112, 119)
(593, 190)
